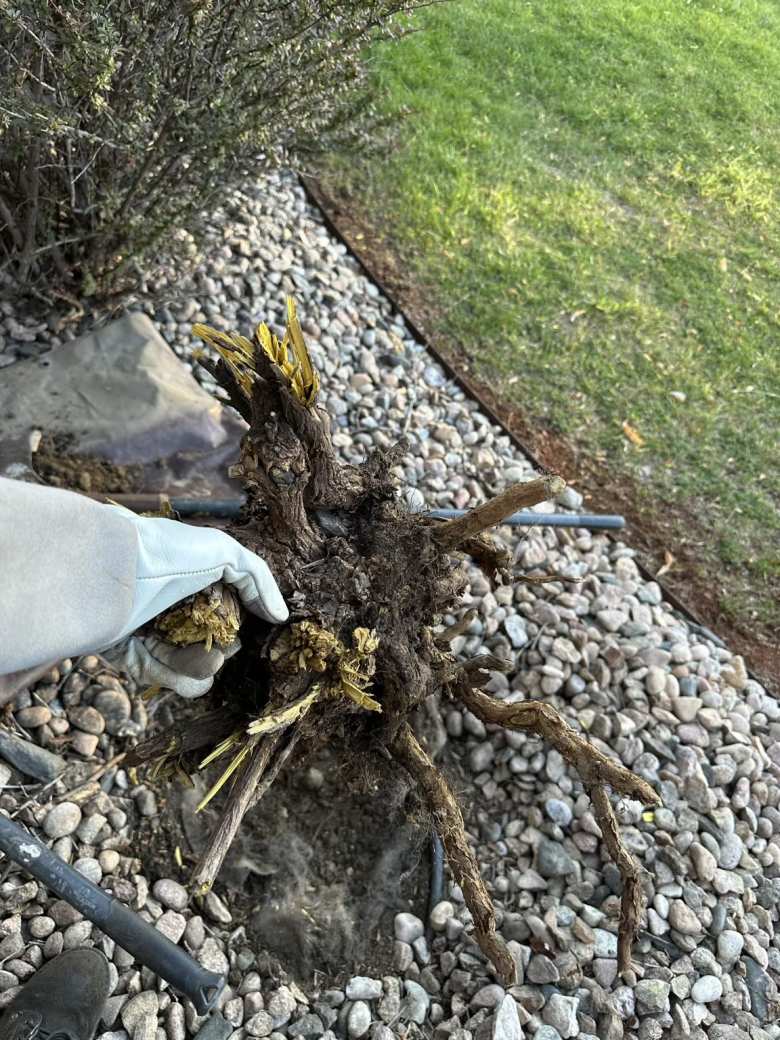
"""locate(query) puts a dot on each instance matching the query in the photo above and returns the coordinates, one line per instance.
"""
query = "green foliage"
(120, 121)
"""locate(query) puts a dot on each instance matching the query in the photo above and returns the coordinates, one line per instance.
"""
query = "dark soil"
(316, 873)
(57, 464)
(697, 580)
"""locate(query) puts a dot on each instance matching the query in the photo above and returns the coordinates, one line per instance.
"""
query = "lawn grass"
(590, 188)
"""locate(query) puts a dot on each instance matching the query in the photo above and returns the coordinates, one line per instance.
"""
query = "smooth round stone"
(440, 914)
(707, 989)
(358, 1020)
(170, 893)
(730, 944)
(408, 927)
(62, 820)
(558, 811)
(683, 919)
(41, 927)
(89, 868)
(731, 849)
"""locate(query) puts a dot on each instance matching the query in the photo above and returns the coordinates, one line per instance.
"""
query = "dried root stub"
(366, 582)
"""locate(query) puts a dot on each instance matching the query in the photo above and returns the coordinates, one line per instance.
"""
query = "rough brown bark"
(366, 582)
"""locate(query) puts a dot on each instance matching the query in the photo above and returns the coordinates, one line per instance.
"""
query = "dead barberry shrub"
(121, 122)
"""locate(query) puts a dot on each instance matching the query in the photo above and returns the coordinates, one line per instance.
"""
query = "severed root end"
(632, 900)
(211, 616)
(448, 821)
(597, 771)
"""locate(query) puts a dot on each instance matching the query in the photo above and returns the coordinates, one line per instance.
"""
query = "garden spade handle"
(150, 947)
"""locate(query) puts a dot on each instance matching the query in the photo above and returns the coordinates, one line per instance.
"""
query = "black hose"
(231, 507)
(436, 890)
(150, 947)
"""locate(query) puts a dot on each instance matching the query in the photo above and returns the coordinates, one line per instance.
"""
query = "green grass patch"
(590, 187)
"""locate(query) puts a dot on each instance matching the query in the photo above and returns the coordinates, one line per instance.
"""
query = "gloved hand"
(176, 560)
(187, 670)
(80, 577)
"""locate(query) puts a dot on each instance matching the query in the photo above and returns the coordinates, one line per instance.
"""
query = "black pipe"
(227, 507)
(436, 890)
(594, 521)
(150, 947)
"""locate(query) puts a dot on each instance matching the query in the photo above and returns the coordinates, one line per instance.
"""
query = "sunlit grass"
(590, 189)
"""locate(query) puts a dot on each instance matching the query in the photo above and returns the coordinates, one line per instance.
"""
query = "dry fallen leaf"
(633, 435)
(669, 562)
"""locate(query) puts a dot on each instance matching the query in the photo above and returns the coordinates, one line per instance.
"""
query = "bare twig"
(93, 777)
(631, 903)
(596, 771)
(258, 776)
(593, 765)
(520, 496)
(11, 224)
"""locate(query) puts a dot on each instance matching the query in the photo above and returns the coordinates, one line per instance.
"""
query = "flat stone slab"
(123, 395)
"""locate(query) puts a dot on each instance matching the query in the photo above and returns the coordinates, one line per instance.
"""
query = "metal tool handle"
(150, 947)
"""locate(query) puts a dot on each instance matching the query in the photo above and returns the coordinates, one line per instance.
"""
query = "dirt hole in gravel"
(316, 875)
(59, 465)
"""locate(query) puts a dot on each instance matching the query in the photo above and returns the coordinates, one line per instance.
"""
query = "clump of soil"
(59, 465)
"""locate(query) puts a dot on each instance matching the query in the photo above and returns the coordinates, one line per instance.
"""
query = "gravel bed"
(676, 705)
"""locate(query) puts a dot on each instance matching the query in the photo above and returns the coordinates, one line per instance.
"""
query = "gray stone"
(611, 620)
(489, 996)
(558, 811)
(606, 944)
(171, 894)
(358, 1020)
(707, 989)
(216, 909)
(552, 860)
(759, 986)
(506, 1024)
(89, 867)
(408, 927)
(308, 1025)
(144, 404)
(683, 919)
(653, 995)
(171, 925)
(216, 1027)
(260, 1024)
(731, 849)
(414, 1007)
(62, 820)
(542, 970)
(212, 956)
(730, 944)
(546, 1032)
(561, 1013)
(281, 1005)
(137, 1007)
(115, 707)
(362, 988)
(516, 630)
(440, 914)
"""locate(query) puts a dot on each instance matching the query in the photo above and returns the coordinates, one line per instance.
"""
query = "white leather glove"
(176, 560)
(187, 670)
(78, 577)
